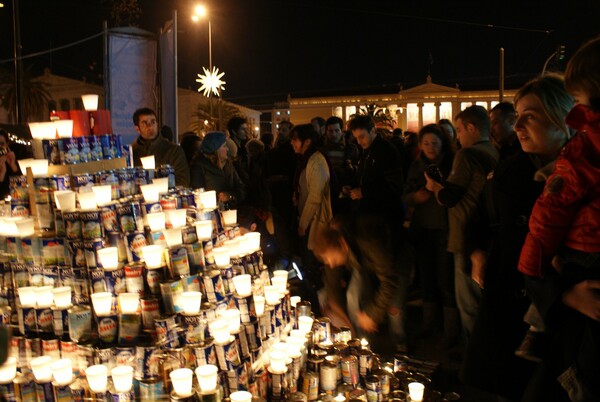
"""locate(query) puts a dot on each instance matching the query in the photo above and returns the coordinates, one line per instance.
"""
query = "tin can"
(135, 241)
(205, 353)
(108, 214)
(71, 149)
(384, 382)
(107, 329)
(27, 320)
(328, 376)
(126, 182)
(72, 225)
(45, 320)
(142, 176)
(193, 328)
(323, 330)
(18, 188)
(213, 286)
(178, 261)
(310, 385)
(130, 217)
(91, 248)
(115, 280)
(373, 387)
(228, 355)
(95, 148)
(91, 224)
(165, 329)
(168, 202)
(167, 171)
(61, 321)
(365, 360)
(68, 350)
(85, 150)
(54, 151)
(277, 385)
(109, 177)
(60, 182)
(106, 147)
(350, 370)
(134, 278)
(245, 304)
(117, 239)
(150, 312)
(153, 278)
(129, 328)
(147, 357)
(115, 145)
(80, 323)
(83, 182)
(400, 362)
(150, 389)
(125, 355)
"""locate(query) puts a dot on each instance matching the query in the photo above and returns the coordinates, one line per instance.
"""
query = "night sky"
(269, 48)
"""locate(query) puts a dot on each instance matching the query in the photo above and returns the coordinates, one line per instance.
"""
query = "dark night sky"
(269, 48)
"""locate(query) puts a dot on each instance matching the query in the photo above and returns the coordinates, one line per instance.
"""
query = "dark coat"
(210, 177)
(490, 362)
(164, 152)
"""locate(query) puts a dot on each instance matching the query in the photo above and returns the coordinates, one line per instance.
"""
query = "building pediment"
(429, 87)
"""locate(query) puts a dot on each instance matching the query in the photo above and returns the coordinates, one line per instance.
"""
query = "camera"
(3, 150)
(435, 173)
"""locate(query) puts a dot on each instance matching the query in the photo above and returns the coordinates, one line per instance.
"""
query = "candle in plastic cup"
(62, 296)
(240, 396)
(129, 302)
(150, 192)
(182, 381)
(65, 200)
(204, 229)
(96, 376)
(176, 217)
(44, 297)
(122, 377)
(253, 241)
(272, 295)
(416, 390)
(109, 257)
(207, 377)
(219, 330)
(243, 285)
(148, 162)
(234, 246)
(221, 255)
(153, 256)
(87, 200)
(64, 128)
(103, 194)
(41, 368)
(305, 324)
(295, 300)
(162, 183)
(208, 200)
(62, 370)
(25, 227)
(8, 370)
(280, 283)
(156, 221)
(277, 361)
(27, 296)
(191, 302)
(233, 319)
(173, 237)
(102, 302)
(230, 217)
(259, 305)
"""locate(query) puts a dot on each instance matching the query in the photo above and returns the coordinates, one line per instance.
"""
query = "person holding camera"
(429, 232)
(8, 165)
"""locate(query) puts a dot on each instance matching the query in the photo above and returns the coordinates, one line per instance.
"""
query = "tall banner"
(132, 76)
(168, 75)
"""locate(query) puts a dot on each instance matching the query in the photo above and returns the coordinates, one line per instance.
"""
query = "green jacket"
(164, 152)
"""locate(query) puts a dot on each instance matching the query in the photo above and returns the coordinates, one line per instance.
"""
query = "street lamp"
(200, 12)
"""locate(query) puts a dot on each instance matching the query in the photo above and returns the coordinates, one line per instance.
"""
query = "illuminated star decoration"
(211, 81)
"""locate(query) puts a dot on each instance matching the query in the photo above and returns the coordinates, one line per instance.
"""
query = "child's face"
(580, 97)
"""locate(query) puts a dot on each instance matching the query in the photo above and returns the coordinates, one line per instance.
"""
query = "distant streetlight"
(559, 53)
(200, 12)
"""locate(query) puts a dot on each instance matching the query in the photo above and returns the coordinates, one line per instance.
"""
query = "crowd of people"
(495, 216)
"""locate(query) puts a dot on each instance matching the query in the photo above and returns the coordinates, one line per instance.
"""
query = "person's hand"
(421, 196)
(224, 197)
(365, 322)
(356, 193)
(11, 159)
(478, 265)
(346, 190)
(432, 185)
(585, 298)
(301, 231)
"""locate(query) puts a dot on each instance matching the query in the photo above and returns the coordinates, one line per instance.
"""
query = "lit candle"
(45, 130)
(280, 283)
(44, 297)
(8, 370)
(153, 256)
(259, 305)
(65, 200)
(97, 378)
(150, 192)
(220, 331)
(252, 241)
(272, 295)
(25, 227)
(162, 183)
(173, 237)
(208, 200)
(122, 377)
(182, 381)
(62, 370)
(90, 102)
(39, 167)
(207, 378)
(364, 344)
(27, 296)
(148, 162)
(295, 300)
(204, 229)
(243, 285)
(234, 246)
(103, 194)
(109, 257)
(339, 398)
(240, 396)
(64, 128)
(62, 296)
(87, 200)
(102, 303)
(129, 302)
(156, 221)
(305, 324)
(233, 319)
(41, 368)
(221, 255)
(416, 390)
(230, 217)
(277, 361)
(176, 217)
(191, 302)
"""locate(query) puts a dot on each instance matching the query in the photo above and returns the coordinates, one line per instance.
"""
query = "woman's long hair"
(447, 153)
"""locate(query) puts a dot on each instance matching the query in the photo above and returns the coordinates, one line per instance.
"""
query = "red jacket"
(568, 211)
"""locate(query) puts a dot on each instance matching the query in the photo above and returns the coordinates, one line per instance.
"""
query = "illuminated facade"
(411, 108)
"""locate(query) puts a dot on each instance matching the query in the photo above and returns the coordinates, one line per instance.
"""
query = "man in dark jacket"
(150, 142)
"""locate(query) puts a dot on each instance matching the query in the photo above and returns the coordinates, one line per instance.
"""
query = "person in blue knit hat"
(211, 170)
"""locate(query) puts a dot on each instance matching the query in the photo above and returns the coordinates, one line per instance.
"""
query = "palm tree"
(34, 96)
(381, 115)
(222, 111)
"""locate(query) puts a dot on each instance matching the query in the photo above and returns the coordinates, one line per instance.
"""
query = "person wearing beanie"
(211, 169)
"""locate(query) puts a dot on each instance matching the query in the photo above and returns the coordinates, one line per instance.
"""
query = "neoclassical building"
(410, 108)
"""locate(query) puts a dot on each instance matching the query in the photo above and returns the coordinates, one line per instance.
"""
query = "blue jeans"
(468, 293)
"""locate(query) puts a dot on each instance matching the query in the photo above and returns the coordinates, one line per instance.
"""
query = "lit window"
(446, 110)
(412, 116)
(464, 105)
(428, 113)
(337, 111)
(350, 110)
(278, 113)
(493, 104)
(483, 104)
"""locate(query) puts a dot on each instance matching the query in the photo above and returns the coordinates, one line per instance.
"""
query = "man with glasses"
(150, 142)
